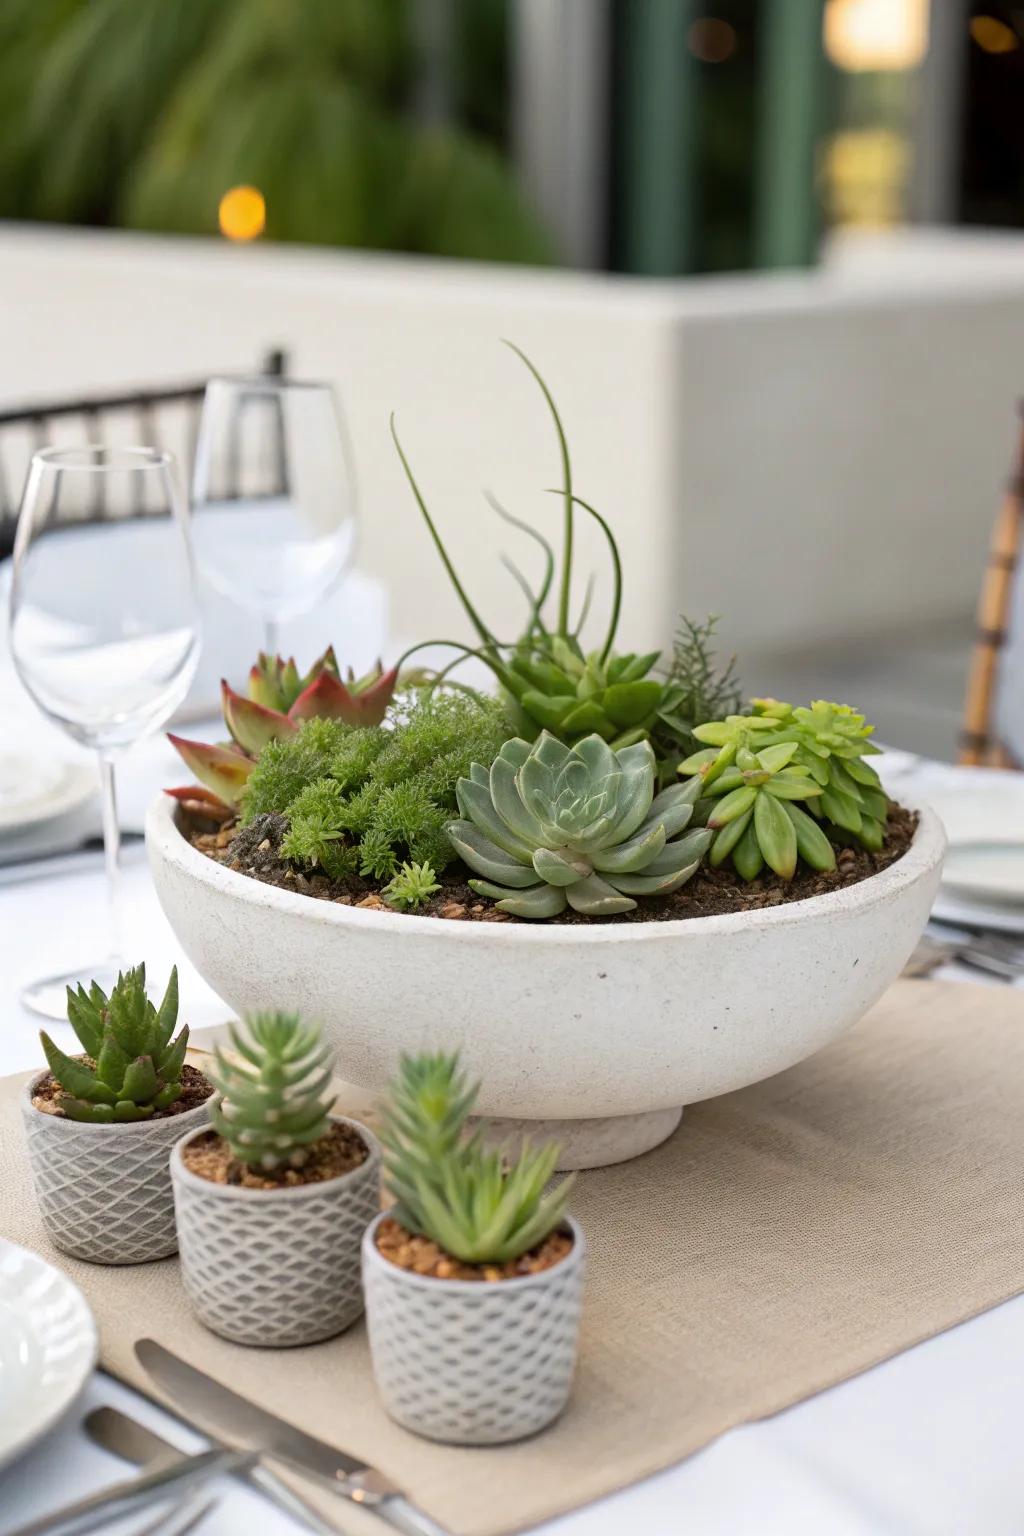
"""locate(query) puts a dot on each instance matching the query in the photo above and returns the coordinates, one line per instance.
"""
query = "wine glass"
(104, 623)
(272, 496)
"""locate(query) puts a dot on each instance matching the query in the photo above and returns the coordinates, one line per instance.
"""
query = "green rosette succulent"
(572, 695)
(270, 1100)
(479, 1206)
(832, 742)
(550, 825)
(133, 1065)
(755, 815)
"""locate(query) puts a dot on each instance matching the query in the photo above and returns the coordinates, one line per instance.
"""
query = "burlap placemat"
(787, 1237)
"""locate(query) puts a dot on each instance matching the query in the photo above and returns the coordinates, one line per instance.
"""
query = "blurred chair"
(993, 725)
(166, 416)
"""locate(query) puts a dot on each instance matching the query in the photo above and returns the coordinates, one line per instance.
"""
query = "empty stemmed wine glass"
(104, 622)
(272, 496)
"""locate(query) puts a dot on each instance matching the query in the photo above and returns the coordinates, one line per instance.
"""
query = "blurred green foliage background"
(142, 113)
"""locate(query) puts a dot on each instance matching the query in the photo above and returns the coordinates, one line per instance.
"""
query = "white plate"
(985, 870)
(48, 1347)
(950, 908)
(34, 789)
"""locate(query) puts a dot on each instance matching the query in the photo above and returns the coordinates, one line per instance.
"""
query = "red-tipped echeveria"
(279, 701)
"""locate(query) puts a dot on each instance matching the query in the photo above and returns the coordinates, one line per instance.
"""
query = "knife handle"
(291, 1501)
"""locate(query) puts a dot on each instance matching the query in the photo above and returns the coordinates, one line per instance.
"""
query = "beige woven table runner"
(785, 1238)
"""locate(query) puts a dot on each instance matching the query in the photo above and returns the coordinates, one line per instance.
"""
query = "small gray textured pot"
(104, 1191)
(473, 1362)
(275, 1267)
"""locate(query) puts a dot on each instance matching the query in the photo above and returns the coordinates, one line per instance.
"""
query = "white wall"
(812, 455)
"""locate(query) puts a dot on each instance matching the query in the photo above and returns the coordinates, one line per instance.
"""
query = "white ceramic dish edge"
(69, 1344)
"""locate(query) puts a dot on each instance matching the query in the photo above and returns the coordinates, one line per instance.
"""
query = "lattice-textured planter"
(275, 1267)
(104, 1191)
(473, 1362)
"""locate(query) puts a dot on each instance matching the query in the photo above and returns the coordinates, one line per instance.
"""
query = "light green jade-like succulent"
(134, 1066)
(832, 742)
(755, 815)
(476, 1204)
(550, 825)
(270, 1100)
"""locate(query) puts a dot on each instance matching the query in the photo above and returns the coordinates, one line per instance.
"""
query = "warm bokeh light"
(876, 34)
(711, 40)
(865, 172)
(242, 213)
(993, 35)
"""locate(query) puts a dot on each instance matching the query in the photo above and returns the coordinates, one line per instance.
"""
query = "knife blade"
(123, 1436)
(258, 1429)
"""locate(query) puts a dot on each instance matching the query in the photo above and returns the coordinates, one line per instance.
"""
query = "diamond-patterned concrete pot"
(473, 1362)
(275, 1267)
(104, 1191)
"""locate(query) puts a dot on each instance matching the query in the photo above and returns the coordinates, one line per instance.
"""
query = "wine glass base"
(49, 997)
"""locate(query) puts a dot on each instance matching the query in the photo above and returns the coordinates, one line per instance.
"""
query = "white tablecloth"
(927, 1444)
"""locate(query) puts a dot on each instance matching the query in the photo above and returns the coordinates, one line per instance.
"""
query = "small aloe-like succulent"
(270, 1096)
(279, 700)
(549, 825)
(476, 1204)
(133, 1066)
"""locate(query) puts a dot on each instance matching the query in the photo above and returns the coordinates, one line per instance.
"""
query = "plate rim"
(38, 1426)
(78, 786)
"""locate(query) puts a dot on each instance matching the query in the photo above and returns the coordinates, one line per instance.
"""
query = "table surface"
(926, 1443)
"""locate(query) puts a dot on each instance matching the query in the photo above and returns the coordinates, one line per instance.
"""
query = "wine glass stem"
(111, 855)
(270, 637)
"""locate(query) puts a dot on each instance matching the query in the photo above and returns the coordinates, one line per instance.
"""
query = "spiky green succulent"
(280, 699)
(550, 825)
(271, 1100)
(478, 1205)
(133, 1065)
(412, 886)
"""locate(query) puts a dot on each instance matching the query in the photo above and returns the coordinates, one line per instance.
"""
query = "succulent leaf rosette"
(762, 769)
(133, 1060)
(271, 1100)
(755, 816)
(832, 742)
(549, 826)
(279, 700)
(478, 1205)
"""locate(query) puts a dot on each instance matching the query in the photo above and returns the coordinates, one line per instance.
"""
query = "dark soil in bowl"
(255, 851)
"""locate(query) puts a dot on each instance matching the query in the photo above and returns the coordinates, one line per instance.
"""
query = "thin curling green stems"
(567, 535)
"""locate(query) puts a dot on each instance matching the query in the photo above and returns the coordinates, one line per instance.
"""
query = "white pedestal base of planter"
(592, 1143)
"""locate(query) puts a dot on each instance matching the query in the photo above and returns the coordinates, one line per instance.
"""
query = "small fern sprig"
(475, 1204)
(270, 1101)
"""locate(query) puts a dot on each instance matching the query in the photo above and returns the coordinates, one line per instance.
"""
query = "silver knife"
(242, 1420)
(126, 1437)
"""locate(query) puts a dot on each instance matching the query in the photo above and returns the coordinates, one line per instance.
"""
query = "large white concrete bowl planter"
(606, 1029)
